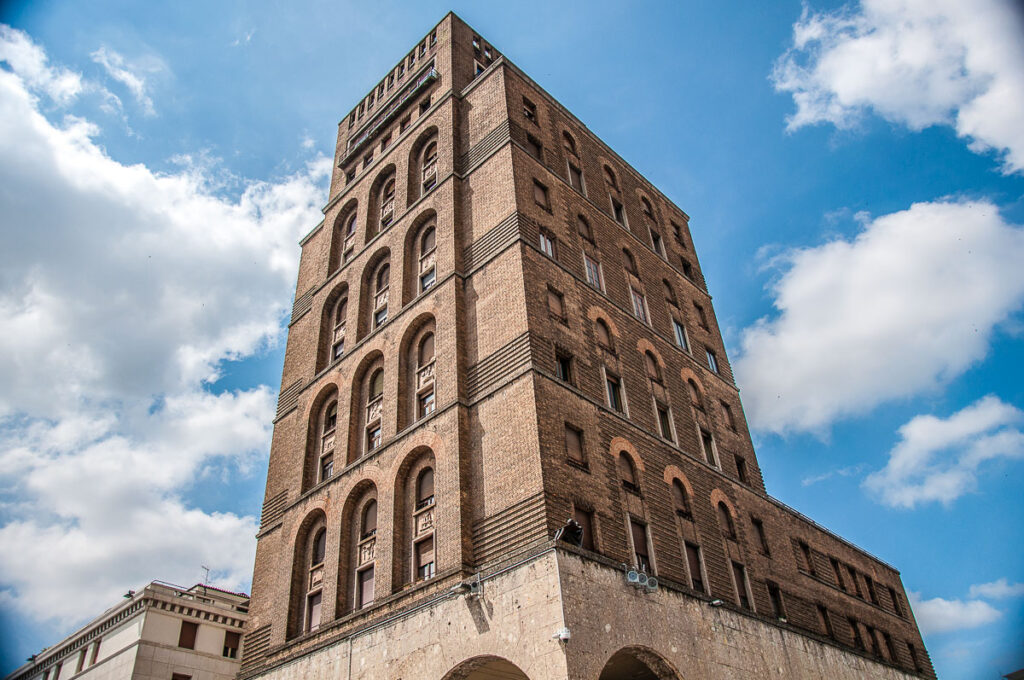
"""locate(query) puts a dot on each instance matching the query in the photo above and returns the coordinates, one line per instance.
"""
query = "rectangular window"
(232, 640)
(586, 521)
(639, 531)
(614, 388)
(426, 404)
(563, 366)
(556, 303)
(476, 43)
(187, 634)
(547, 244)
(478, 68)
(535, 148)
(639, 304)
(708, 442)
(425, 559)
(373, 438)
(730, 419)
(694, 562)
(858, 641)
(380, 317)
(656, 242)
(593, 272)
(530, 111)
(712, 360)
(775, 597)
(176, 676)
(913, 657)
(762, 538)
(364, 587)
(855, 581)
(540, 195)
(385, 142)
(81, 660)
(896, 606)
(404, 125)
(424, 105)
(326, 467)
(367, 159)
(677, 233)
(664, 421)
(618, 212)
(741, 470)
(739, 575)
(573, 443)
(401, 69)
(680, 332)
(838, 573)
(873, 641)
(805, 553)
(427, 280)
(95, 651)
(576, 178)
(826, 622)
(702, 317)
(391, 80)
(871, 589)
(890, 647)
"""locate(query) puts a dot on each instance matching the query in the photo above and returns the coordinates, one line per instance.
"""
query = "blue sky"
(854, 175)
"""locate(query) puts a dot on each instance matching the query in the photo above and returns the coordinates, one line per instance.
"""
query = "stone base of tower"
(510, 631)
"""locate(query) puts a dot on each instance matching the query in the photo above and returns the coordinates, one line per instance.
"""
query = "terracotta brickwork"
(500, 325)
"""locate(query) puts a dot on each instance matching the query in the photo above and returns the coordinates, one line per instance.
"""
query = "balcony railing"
(391, 110)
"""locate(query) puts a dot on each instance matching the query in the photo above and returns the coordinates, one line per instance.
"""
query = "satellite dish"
(633, 577)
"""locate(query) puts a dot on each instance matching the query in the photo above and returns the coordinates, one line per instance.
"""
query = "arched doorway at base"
(486, 668)
(637, 663)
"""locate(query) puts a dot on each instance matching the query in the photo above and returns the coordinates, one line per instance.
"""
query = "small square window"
(391, 80)
(350, 175)
(367, 159)
(548, 245)
(380, 317)
(404, 125)
(708, 442)
(373, 438)
(530, 111)
(426, 404)
(687, 268)
(762, 538)
(476, 43)
(585, 519)
(702, 318)
(424, 105)
(741, 470)
(712, 361)
(775, 597)
(385, 142)
(656, 243)
(478, 68)
(730, 419)
(540, 195)
(326, 467)
(427, 280)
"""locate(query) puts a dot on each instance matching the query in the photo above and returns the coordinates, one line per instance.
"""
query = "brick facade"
(553, 267)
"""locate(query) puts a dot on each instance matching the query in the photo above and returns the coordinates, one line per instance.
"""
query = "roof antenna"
(206, 578)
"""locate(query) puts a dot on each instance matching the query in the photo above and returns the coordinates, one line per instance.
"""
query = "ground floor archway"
(486, 668)
(637, 663)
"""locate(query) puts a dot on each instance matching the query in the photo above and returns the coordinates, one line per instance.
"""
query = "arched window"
(583, 227)
(670, 293)
(681, 499)
(328, 432)
(646, 207)
(725, 521)
(425, 377)
(340, 314)
(365, 535)
(387, 203)
(630, 261)
(350, 225)
(568, 143)
(368, 525)
(604, 335)
(315, 581)
(381, 283)
(374, 409)
(695, 397)
(428, 258)
(429, 167)
(653, 369)
(424, 562)
(609, 177)
(627, 473)
(347, 229)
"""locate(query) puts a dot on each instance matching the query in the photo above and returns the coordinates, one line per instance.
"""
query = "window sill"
(579, 465)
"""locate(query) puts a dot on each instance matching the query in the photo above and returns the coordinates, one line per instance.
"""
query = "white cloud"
(116, 67)
(29, 61)
(848, 471)
(942, 616)
(908, 304)
(938, 459)
(913, 62)
(997, 590)
(122, 291)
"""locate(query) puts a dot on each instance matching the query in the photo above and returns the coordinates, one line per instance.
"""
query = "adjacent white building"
(163, 632)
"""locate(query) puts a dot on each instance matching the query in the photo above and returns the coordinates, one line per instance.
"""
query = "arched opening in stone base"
(638, 663)
(486, 668)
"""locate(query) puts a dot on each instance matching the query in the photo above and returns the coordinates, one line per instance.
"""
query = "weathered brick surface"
(503, 484)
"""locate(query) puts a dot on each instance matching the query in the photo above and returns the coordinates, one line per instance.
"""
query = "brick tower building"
(498, 326)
